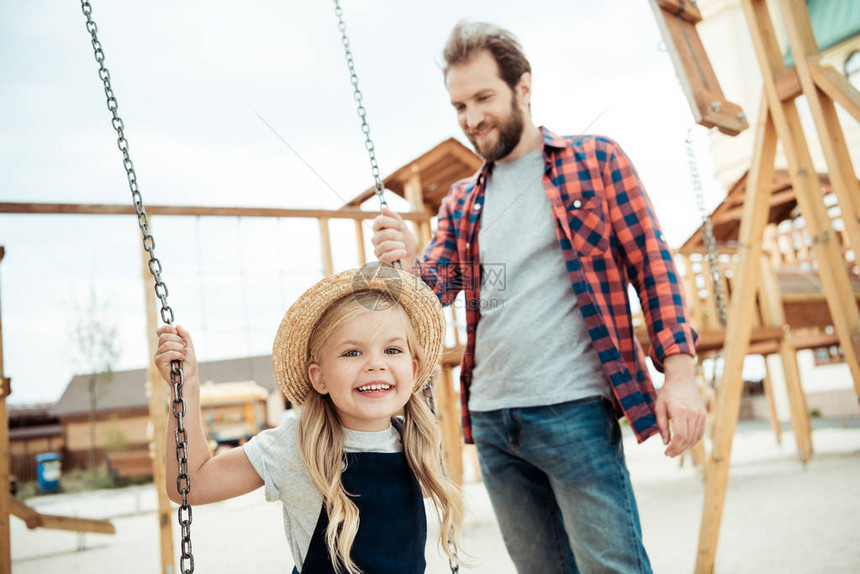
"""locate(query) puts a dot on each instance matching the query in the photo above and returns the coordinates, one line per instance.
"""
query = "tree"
(96, 351)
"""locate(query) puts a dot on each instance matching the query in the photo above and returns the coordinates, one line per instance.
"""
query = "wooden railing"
(419, 218)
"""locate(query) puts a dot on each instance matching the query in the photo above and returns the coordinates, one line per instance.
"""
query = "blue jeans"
(560, 488)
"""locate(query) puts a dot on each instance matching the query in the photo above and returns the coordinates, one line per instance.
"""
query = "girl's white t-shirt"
(275, 455)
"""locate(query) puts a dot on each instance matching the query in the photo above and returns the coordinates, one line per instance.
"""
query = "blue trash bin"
(48, 471)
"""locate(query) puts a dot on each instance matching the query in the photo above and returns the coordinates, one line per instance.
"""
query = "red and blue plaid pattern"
(610, 238)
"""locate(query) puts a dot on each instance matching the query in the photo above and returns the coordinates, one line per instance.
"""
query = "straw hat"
(290, 352)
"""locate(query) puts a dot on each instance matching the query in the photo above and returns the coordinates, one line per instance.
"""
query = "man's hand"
(392, 240)
(679, 401)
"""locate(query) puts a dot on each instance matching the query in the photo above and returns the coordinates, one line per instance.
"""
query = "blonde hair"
(320, 438)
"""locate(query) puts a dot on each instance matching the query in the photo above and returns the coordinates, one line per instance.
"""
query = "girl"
(351, 353)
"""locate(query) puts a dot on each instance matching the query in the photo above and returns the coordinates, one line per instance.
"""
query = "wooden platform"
(131, 464)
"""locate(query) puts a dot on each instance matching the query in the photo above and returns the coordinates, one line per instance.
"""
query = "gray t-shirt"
(531, 345)
(275, 455)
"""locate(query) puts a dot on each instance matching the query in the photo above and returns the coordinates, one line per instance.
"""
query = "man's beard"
(509, 129)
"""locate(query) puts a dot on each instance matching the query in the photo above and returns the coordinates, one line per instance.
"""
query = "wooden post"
(774, 316)
(359, 240)
(449, 420)
(789, 253)
(454, 324)
(325, 247)
(738, 331)
(691, 291)
(5, 389)
(771, 245)
(698, 454)
(155, 389)
(771, 403)
(836, 86)
(415, 196)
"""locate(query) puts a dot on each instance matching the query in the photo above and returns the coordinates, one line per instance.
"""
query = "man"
(544, 240)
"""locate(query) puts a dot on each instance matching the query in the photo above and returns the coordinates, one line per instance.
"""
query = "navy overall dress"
(392, 532)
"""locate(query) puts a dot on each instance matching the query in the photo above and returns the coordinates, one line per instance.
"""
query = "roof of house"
(726, 217)
(437, 169)
(833, 22)
(41, 431)
(127, 389)
(34, 414)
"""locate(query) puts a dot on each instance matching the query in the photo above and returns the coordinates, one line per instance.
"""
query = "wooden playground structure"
(778, 120)
(782, 294)
(790, 312)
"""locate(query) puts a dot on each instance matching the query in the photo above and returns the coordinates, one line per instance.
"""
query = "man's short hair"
(468, 39)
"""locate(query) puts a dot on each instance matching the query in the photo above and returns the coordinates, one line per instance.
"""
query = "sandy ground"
(779, 517)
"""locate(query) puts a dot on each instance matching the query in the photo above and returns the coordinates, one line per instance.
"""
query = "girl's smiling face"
(367, 369)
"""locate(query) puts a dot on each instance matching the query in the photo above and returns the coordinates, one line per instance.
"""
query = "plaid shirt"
(609, 236)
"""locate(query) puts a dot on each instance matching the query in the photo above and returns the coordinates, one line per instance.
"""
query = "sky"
(193, 81)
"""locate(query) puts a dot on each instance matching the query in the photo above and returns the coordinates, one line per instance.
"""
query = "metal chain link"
(362, 112)
(707, 231)
(177, 378)
(374, 169)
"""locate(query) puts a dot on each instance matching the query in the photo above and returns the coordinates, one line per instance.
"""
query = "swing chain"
(707, 231)
(177, 378)
(183, 481)
(362, 112)
(122, 144)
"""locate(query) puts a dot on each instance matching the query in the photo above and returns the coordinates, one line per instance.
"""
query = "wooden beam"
(29, 515)
(325, 248)
(359, 241)
(158, 416)
(691, 291)
(799, 342)
(683, 9)
(447, 404)
(788, 85)
(693, 68)
(836, 86)
(771, 404)
(715, 339)
(190, 210)
(738, 333)
(35, 519)
(733, 214)
(809, 297)
(414, 193)
(813, 340)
